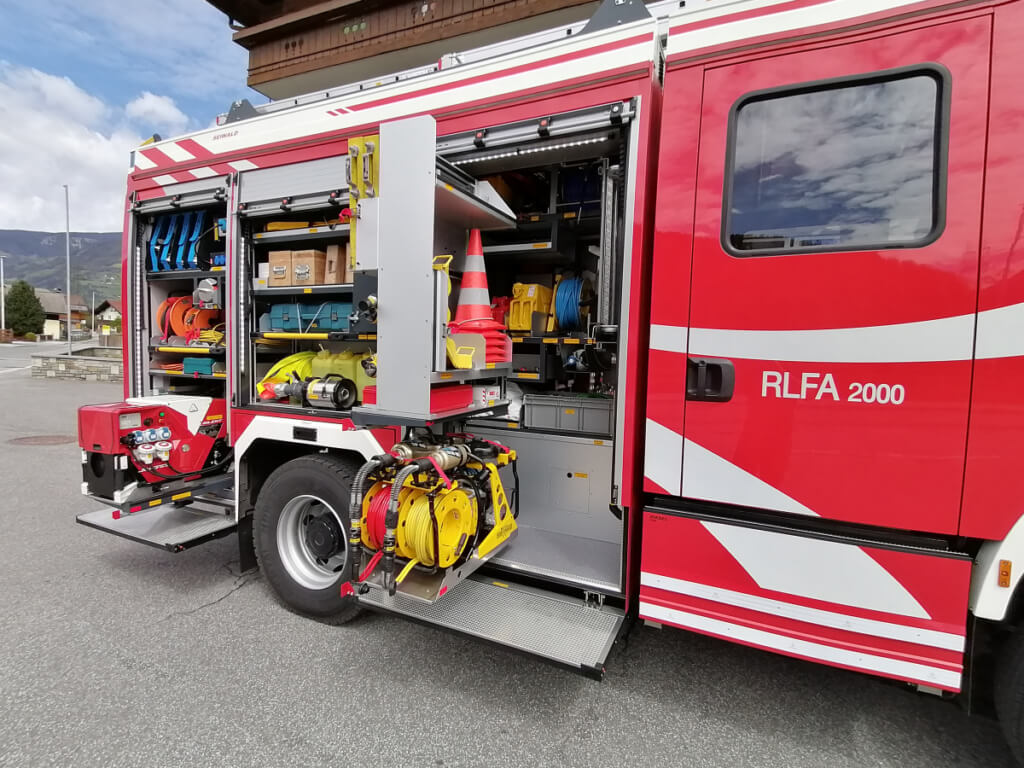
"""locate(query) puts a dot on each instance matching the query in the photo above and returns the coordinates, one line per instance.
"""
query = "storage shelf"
(452, 204)
(315, 336)
(371, 415)
(470, 374)
(571, 340)
(292, 290)
(183, 375)
(324, 232)
(214, 351)
(540, 248)
(186, 274)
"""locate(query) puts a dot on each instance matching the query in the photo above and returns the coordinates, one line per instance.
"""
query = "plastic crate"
(568, 413)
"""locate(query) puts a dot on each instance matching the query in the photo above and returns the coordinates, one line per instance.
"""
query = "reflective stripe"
(904, 670)
(841, 621)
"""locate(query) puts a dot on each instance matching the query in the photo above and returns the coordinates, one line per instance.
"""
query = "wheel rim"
(297, 557)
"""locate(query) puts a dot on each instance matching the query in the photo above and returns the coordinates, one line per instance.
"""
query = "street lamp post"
(3, 296)
(67, 257)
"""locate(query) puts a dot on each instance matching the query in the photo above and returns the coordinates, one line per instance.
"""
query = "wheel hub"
(323, 536)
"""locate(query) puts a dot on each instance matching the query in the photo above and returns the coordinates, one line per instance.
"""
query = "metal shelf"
(182, 374)
(292, 290)
(540, 248)
(324, 232)
(369, 414)
(570, 340)
(472, 212)
(491, 371)
(186, 274)
(315, 336)
(216, 351)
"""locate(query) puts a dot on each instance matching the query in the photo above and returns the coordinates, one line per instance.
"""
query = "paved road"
(18, 356)
(115, 654)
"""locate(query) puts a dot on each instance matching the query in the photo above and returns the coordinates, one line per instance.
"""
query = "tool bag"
(304, 318)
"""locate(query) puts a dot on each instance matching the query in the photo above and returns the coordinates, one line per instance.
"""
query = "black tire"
(1009, 693)
(328, 478)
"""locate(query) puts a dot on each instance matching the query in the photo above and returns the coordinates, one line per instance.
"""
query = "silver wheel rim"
(301, 564)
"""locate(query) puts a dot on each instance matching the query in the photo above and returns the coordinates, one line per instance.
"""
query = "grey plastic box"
(568, 413)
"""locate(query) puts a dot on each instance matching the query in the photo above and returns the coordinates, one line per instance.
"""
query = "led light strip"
(529, 151)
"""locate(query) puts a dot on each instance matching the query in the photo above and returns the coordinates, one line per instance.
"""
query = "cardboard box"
(339, 268)
(280, 269)
(308, 267)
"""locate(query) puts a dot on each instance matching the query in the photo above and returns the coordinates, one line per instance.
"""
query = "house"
(55, 306)
(109, 311)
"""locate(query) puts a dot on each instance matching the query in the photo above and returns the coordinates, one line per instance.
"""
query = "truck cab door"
(829, 330)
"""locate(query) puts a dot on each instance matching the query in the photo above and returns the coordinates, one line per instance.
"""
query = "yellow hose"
(456, 522)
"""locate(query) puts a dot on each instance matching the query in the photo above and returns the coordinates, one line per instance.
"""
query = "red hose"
(375, 517)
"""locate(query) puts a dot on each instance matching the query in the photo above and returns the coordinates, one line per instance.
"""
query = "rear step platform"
(556, 627)
(174, 528)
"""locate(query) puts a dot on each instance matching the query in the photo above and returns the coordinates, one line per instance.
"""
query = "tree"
(24, 312)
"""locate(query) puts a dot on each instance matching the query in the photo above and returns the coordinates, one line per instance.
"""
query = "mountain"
(38, 258)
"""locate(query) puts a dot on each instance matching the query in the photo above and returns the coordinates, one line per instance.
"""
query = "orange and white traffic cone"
(473, 314)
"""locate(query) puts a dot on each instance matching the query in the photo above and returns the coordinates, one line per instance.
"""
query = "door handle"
(710, 379)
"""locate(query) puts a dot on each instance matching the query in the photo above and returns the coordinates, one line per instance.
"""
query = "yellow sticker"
(599, 442)
(307, 290)
(446, 375)
(527, 375)
(489, 365)
(569, 215)
(156, 502)
(571, 341)
(179, 496)
(501, 584)
(550, 341)
(569, 411)
(512, 425)
(584, 475)
(541, 245)
(313, 229)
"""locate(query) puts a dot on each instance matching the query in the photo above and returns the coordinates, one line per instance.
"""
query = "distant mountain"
(38, 258)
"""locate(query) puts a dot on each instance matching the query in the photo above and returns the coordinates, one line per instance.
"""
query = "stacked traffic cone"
(473, 314)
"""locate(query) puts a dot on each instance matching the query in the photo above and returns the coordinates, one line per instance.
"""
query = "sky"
(83, 82)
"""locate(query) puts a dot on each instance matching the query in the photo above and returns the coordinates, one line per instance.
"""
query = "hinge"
(593, 600)
(615, 494)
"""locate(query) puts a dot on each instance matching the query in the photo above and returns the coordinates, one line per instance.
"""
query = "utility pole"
(67, 257)
(3, 296)
(93, 305)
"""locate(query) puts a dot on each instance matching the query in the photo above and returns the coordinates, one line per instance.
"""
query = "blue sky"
(82, 82)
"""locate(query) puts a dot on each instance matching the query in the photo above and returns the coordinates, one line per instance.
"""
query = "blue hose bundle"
(567, 303)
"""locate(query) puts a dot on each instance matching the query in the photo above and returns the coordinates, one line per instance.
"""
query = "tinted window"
(836, 168)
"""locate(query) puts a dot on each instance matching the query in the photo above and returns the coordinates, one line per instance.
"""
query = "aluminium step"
(556, 627)
(172, 528)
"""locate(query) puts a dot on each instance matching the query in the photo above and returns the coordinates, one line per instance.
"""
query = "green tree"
(24, 312)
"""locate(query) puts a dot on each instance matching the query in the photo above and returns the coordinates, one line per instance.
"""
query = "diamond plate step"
(554, 626)
(172, 528)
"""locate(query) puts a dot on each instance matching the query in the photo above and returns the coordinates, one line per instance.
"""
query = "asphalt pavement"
(117, 654)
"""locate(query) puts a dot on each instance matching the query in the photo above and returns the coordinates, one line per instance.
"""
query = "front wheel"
(300, 526)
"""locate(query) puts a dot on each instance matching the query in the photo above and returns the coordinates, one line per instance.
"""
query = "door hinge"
(593, 600)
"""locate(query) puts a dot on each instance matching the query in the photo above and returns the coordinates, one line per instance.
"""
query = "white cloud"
(158, 112)
(55, 133)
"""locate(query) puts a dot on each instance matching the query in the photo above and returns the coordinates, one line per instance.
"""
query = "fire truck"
(705, 314)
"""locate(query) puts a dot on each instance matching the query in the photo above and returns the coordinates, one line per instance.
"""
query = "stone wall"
(76, 367)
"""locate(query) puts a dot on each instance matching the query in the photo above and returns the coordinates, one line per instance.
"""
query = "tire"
(296, 494)
(1009, 693)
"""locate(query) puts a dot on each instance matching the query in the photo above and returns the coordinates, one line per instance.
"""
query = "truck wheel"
(301, 535)
(1009, 693)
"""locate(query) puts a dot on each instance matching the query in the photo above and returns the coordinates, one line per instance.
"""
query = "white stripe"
(663, 456)
(781, 21)
(841, 621)
(668, 338)
(868, 662)
(242, 165)
(142, 162)
(176, 152)
(203, 172)
(830, 571)
(707, 475)
(313, 118)
(164, 180)
(999, 332)
(948, 338)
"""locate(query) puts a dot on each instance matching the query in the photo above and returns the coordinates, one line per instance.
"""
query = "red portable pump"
(131, 448)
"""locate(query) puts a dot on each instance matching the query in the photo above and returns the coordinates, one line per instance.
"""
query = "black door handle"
(710, 379)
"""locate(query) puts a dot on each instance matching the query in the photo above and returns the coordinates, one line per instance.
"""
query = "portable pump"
(432, 513)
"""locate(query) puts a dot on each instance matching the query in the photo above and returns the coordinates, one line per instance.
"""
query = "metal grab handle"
(710, 379)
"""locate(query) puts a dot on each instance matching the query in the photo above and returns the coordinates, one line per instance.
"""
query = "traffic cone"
(473, 314)
(474, 298)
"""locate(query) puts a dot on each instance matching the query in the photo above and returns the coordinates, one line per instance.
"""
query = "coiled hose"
(567, 303)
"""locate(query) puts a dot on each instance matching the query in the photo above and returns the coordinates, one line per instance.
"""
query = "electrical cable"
(567, 303)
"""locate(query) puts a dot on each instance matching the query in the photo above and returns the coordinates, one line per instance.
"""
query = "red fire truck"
(711, 317)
